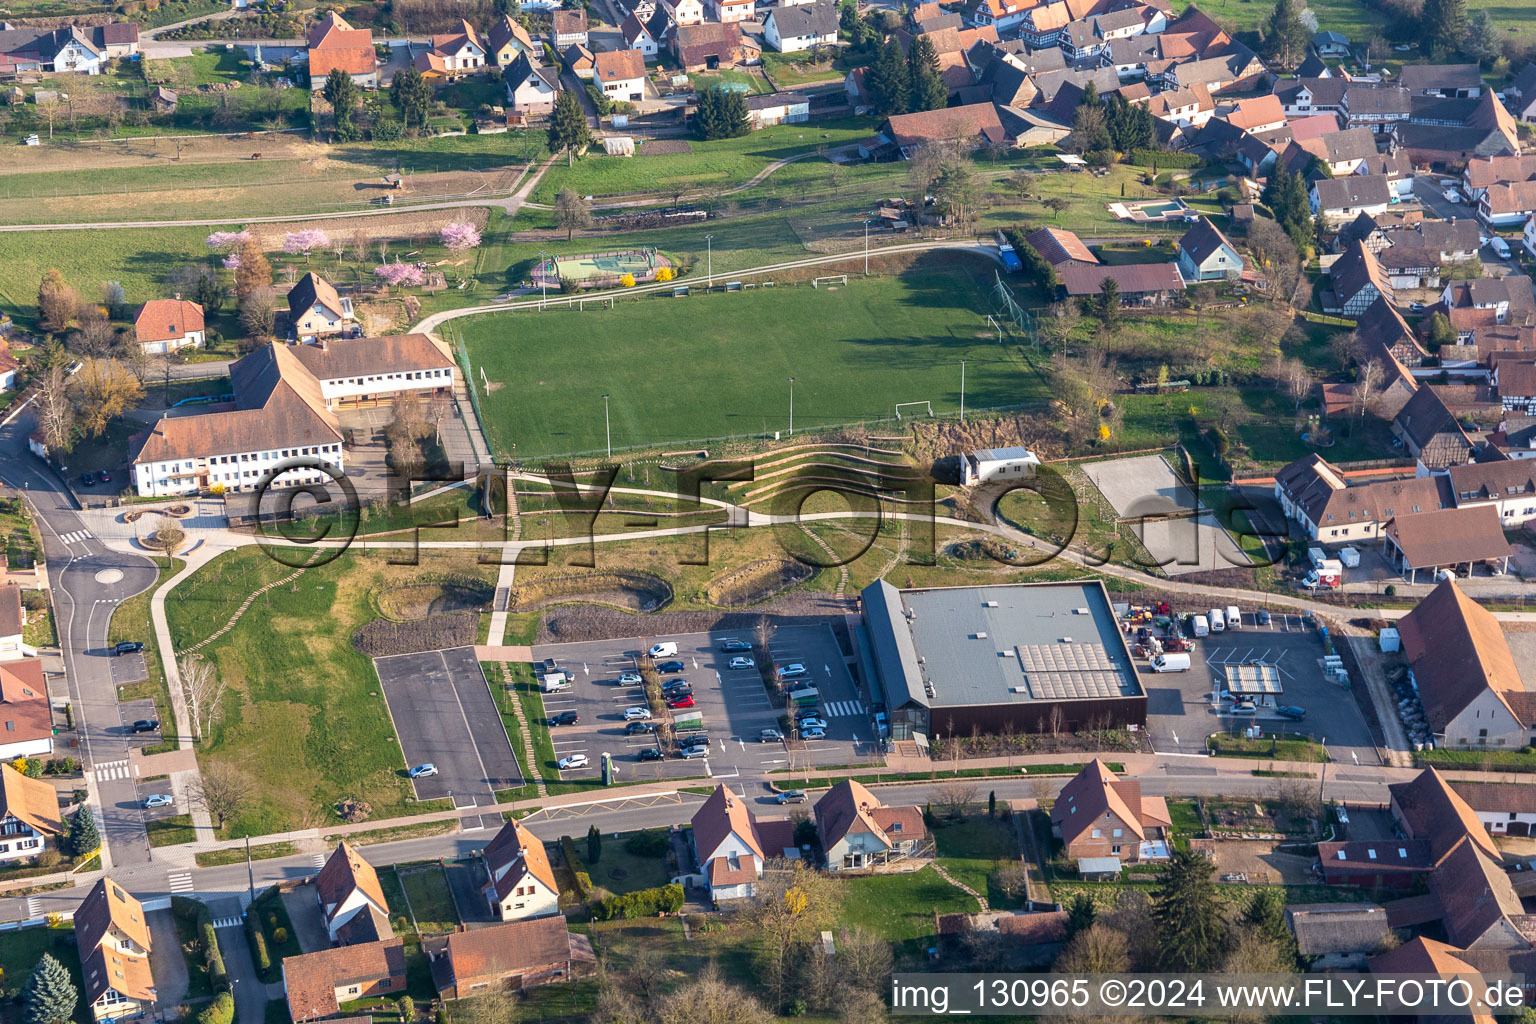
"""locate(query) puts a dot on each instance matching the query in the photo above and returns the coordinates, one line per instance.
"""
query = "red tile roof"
(620, 65)
(1457, 650)
(167, 320)
(311, 980)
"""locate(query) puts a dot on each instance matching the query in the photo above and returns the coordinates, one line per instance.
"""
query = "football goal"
(923, 408)
(830, 279)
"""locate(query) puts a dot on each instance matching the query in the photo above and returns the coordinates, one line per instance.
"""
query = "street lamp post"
(607, 426)
(866, 246)
(709, 263)
(791, 407)
(543, 280)
(962, 391)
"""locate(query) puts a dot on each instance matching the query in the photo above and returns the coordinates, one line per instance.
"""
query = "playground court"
(602, 269)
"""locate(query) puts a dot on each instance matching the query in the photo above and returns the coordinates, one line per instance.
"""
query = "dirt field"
(64, 156)
(1259, 861)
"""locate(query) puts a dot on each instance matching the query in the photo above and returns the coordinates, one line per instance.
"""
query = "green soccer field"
(711, 366)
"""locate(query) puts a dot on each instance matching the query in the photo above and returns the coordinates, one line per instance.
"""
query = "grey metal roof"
(1003, 454)
(1006, 644)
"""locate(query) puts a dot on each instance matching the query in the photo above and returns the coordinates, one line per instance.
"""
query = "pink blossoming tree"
(458, 237)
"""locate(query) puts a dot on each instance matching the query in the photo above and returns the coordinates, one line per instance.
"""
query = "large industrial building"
(1032, 657)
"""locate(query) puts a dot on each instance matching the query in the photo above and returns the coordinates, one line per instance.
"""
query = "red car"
(684, 701)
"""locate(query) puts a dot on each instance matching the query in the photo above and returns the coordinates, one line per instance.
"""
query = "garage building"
(951, 661)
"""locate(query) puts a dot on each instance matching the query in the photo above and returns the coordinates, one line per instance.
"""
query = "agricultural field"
(684, 370)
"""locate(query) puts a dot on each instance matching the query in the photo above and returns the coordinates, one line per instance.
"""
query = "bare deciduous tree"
(1294, 378)
(1368, 386)
(954, 797)
(203, 694)
(222, 791)
(56, 416)
(710, 1000)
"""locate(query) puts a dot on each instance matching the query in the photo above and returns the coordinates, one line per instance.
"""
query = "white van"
(668, 649)
(1234, 617)
(1218, 621)
(1499, 246)
(1170, 663)
(1202, 626)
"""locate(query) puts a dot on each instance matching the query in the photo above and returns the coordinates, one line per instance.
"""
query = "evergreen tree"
(1192, 935)
(411, 94)
(341, 93)
(1266, 913)
(1443, 26)
(1484, 41)
(594, 845)
(928, 91)
(1080, 913)
(1286, 35)
(706, 116)
(1286, 197)
(48, 997)
(733, 113)
(1131, 125)
(83, 834)
(886, 80)
(1090, 97)
(848, 18)
(721, 114)
(568, 128)
(1107, 305)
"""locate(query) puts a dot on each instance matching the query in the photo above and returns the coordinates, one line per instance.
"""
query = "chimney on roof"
(178, 296)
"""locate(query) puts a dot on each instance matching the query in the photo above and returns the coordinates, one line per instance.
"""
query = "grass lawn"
(198, 984)
(1283, 746)
(173, 831)
(21, 950)
(430, 898)
(266, 851)
(618, 870)
(1350, 17)
(303, 716)
(724, 162)
(855, 351)
(973, 849)
(900, 908)
(791, 70)
(729, 76)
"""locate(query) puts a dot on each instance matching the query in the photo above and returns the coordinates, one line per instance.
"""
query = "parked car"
(146, 725)
(1261, 617)
(791, 796)
(688, 753)
(572, 761)
(128, 647)
(794, 671)
(743, 663)
(635, 728)
(770, 736)
(564, 718)
(1452, 196)
(671, 666)
(1415, 307)
(1291, 711)
(649, 754)
(735, 645)
(158, 800)
(87, 480)
(665, 649)
(423, 771)
(812, 723)
(681, 701)
(814, 734)
(1244, 707)
(636, 712)
(630, 679)
(805, 713)
(106, 477)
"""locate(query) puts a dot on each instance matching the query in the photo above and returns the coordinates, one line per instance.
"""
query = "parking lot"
(1146, 491)
(733, 702)
(1180, 712)
(444, 715)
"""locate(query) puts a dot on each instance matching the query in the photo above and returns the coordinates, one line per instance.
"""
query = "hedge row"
(578, 872)
(197, 913)
(220, 1011)
(258, 944)
(1163, 159)
(1036, 268)
(665, 899)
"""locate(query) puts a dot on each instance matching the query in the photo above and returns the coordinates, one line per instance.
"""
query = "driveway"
(303, 908)
(165, 959)
(466, 879)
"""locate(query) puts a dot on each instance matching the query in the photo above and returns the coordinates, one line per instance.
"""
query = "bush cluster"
(578, 872)
(664, 899)
(381, 637)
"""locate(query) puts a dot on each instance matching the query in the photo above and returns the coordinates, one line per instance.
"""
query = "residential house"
(645, 10)
(1205, 254)
(508, 40)
(1506, 204)
(116, 39)
(621, 75)
(1528, 235)
(511, 957)
(986, 465)
(1395, 166)
(26, 715)
(1445, 80)
(973, 125)
(165, 325)
(1432, 134)
(731, 845)
(638, 37)
(857, 831)
(1507, 300)
(1430, 432)
(29, 812)
(332, 44)
(1141, 285)
(1257, 115)
(778, 108)
(1313, 66)
(1320, 500)
(112, 933)
(1060, 248)
(1043, 24)
(1509, 485)
(352, 904)
(521, 882)
(700, 47)
(1238, 70)
(1503, 808)
(1330, 44)
(1358, 281)
(683, 12)
(1191, 107)
(461, 51)
(1344, 933)
(1425, 956)
(1087, 38)
(1377, 107)
(1000, 15)
(9, 366)
(788, 29)
(1306, 96)
(1453, 538)
(316, 311)
(732, 10)
(1452, 241)
(1515, 378)
(1467, 677)
(1410, 266)
(1342, 152)
(71, 49)
(531, 87)
(568, 28)
(13, 621)
(317, 983)
(1343, 199)
(1098, 814)
(580, 61)
(1494, 170)
(1520, 97)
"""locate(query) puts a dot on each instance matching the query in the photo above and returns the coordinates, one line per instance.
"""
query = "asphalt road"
(89, 582)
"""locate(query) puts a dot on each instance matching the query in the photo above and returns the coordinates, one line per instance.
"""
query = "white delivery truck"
(1202, 626)
(1170, 663)
(1350, 557)
(1218, 621)
(1329, 574)
(1234, 617)
(556, 682)
(1316, 556)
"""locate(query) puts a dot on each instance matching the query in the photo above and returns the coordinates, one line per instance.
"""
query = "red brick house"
(1100, 815)
(515, 955)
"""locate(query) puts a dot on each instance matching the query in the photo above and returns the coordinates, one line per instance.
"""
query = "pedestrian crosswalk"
(111, 770)
(76, 537)
(180, 881)
(226, 922)
(843, 708)
(34, 907)
(318, 860)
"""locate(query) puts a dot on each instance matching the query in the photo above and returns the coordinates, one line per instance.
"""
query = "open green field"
(725, 162)
(1350, 17)
(717, 365)
(973, 849)
(138, 259)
